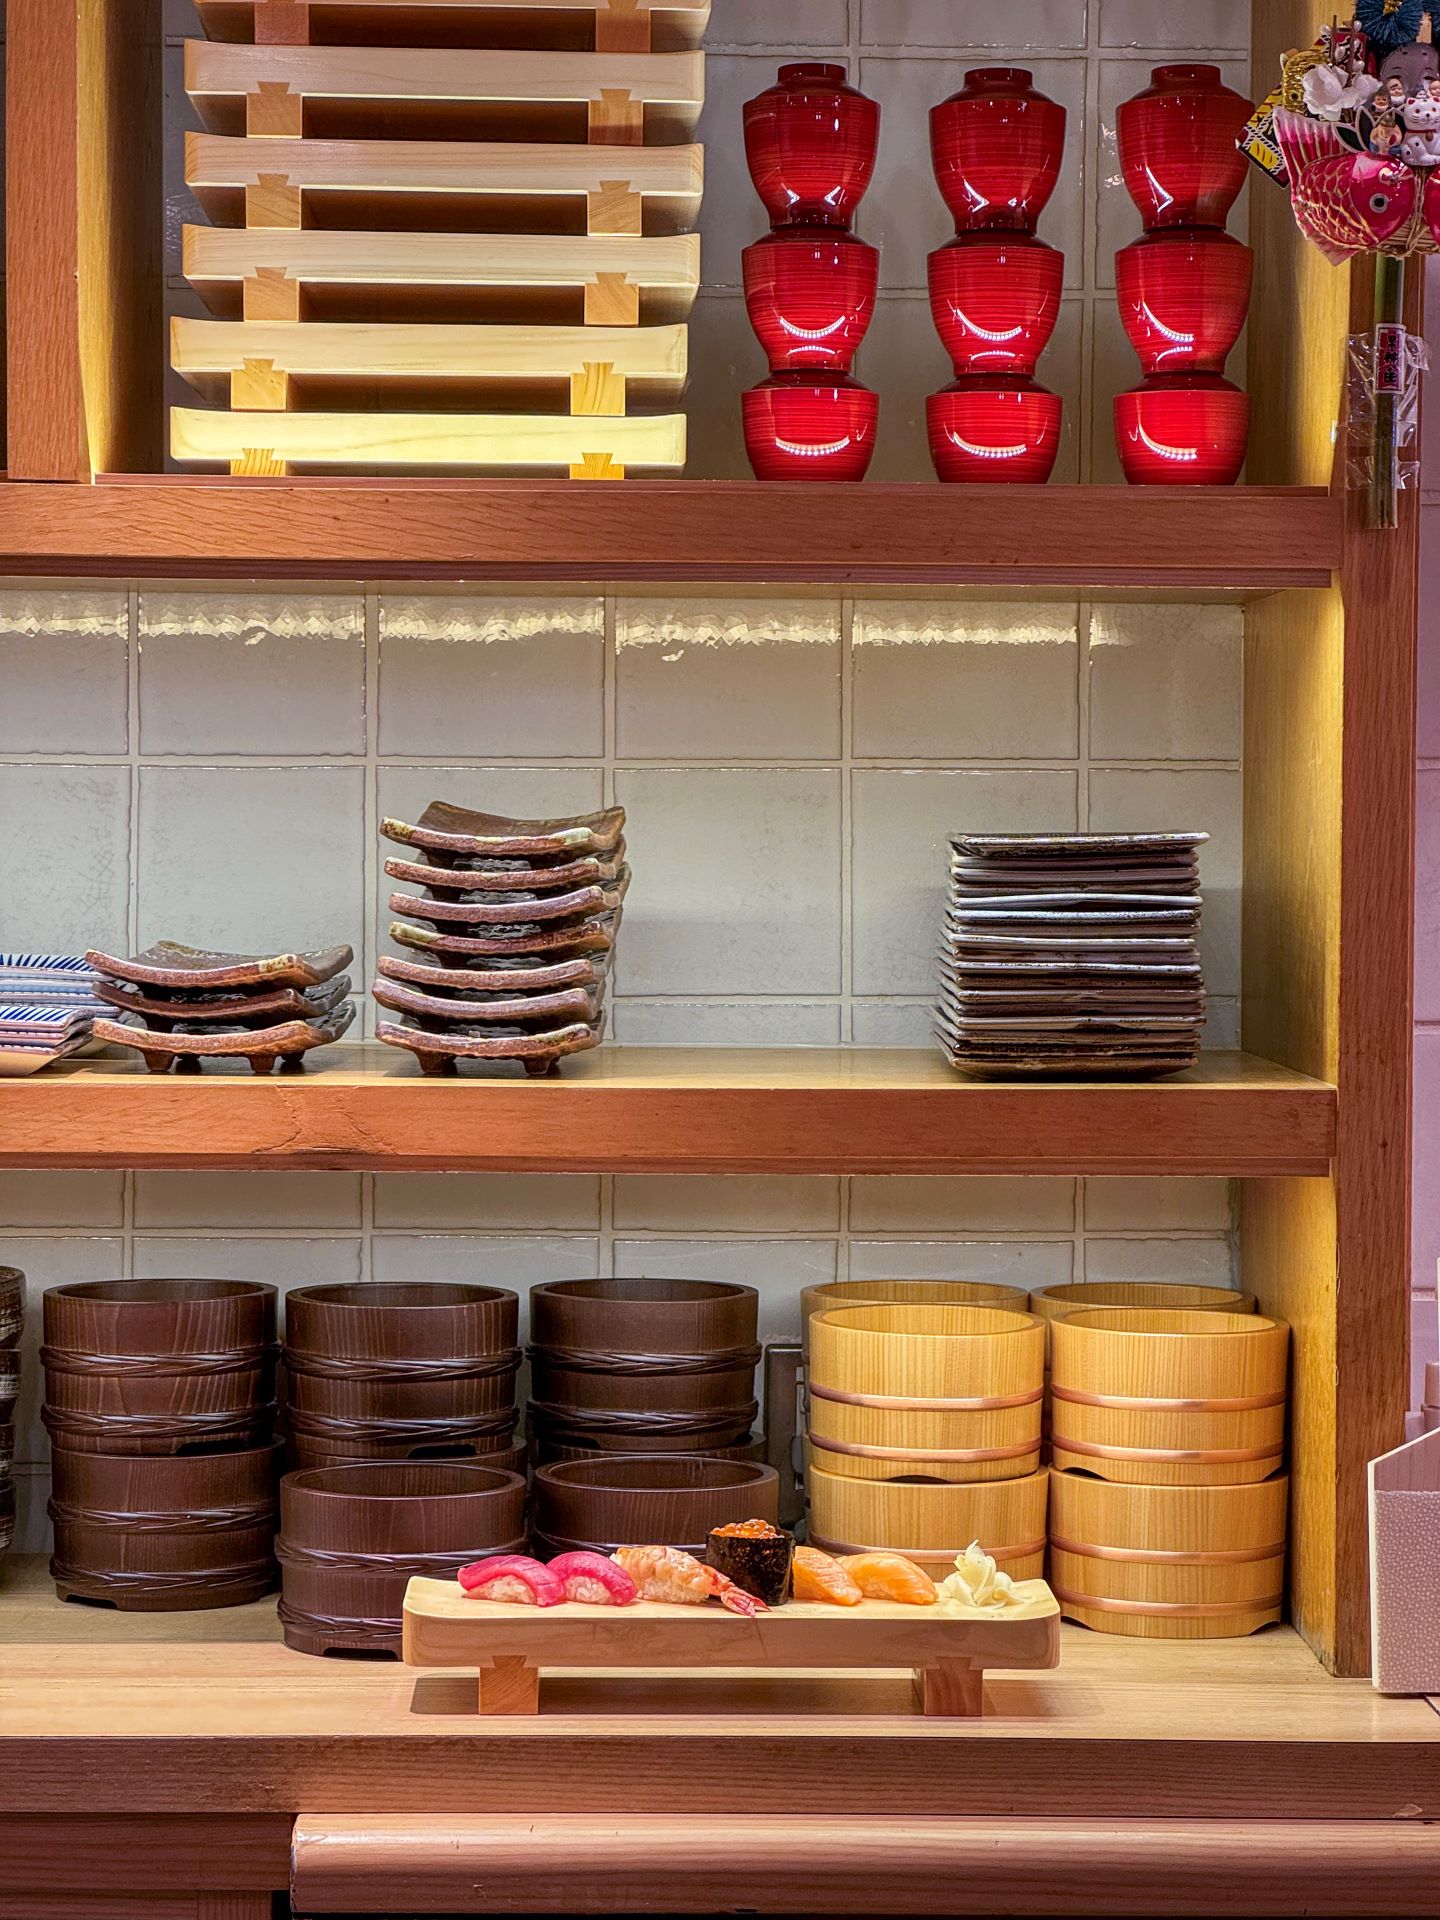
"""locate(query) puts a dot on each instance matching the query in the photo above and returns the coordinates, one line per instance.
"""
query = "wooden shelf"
(1160, 540)
(675, 1110)
(664, 24)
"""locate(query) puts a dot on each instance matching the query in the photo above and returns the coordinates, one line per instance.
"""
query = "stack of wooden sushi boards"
(471, 255)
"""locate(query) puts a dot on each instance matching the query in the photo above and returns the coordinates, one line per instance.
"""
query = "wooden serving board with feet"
(609, 26)
(511, 1645)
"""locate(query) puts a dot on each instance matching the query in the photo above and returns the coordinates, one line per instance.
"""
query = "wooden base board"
(525, 186)
(616, 26)
(279, 275)
(594, 447)
(949, 1652)
(250, 363)
(623, 99)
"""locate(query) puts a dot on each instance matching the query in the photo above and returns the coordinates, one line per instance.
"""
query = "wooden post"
(509, 1686)
(260, 386)
(597, 388)
(622, 27)
(612, 302)
(282, 23)
(273, 202)
(616, 120)
(953, 1689)
(273, 112)
(270, 294)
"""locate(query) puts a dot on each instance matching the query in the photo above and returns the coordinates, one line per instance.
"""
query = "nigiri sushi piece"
(594, 1579)
(667, 1573)
(818, 1576)
(890, 1576)
(515, 1579)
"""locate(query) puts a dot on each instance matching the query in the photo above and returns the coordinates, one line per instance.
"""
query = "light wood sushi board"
(511, 1645)
(618, 26)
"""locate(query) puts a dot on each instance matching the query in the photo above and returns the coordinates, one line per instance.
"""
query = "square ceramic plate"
(539, 1053)
(513, 975)
(565, 941)
(440, 1012)
(1089, 845)
(525, 910)
(458, 882)
(460, 834)
(287, 1042)
(200, 970)
(226, 1008)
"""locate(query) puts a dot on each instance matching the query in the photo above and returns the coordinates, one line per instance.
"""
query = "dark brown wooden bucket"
(159, 1366)
(407, 1370)
(551, 1453)
(641, 1500)
(351, 1537)
(153, 1534)
(307, 1452)
(647, 1364)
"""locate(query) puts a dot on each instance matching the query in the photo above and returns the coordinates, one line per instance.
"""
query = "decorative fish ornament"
(1346, 202)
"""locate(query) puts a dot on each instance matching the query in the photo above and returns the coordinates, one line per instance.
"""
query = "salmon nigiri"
(890, 1576)
(819, 1577)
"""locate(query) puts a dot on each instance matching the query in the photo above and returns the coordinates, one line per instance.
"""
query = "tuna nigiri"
(594, 1580)
(515, 1579)
(818, 1577)
(890, 1576)
(666, 1573)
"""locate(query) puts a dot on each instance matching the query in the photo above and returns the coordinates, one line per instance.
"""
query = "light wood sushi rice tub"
(947, 1393)
(907, 1293)
(932, 1522)
(1077, 1296)
(1168, 1563)
(1171, 1397)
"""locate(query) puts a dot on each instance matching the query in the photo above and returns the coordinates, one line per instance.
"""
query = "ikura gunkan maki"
(756, 1556)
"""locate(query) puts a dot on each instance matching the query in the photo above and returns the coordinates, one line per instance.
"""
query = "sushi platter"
(510, 1646)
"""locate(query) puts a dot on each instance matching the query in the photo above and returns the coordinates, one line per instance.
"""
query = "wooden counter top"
(210, 1714)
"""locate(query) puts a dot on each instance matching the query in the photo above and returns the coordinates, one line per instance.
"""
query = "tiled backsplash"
(908, 54)
(213, 765)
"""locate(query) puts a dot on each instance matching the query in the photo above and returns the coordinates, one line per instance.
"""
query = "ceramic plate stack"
(184, 1005)
(1072, 953)
(508, 946)
(47, 1002)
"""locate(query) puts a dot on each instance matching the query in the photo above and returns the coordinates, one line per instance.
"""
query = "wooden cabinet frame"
(1329, 656)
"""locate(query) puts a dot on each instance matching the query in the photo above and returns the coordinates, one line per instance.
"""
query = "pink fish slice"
(514, 1579)
(594, 1579)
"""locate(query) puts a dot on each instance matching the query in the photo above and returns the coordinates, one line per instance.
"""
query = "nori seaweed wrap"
(756, 1556)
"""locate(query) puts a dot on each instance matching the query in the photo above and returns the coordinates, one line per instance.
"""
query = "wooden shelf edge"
(660, 1110)
(1256, 539)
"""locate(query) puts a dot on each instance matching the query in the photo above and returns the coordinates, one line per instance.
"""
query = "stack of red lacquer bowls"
(1184, 286)
(810, 284)
(995, 289)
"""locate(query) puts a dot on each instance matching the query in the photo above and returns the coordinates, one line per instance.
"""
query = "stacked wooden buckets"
(12, 1319)
(1165, 1410)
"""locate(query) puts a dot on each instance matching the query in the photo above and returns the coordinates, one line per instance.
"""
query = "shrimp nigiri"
(818, 1577)
(665, 1573)
(594, 1579)
(515, 1578)
(890, 1576)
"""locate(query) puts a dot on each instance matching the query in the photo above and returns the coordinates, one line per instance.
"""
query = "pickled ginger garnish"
(977, 1582)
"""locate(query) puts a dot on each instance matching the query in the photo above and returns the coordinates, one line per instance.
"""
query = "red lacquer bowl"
(995, 300)
(810, 141)
(986, 431)
(810, 294)
(1177, 147)
(799, 429)
(1184, 294)
(996, 147)
(1186, 431)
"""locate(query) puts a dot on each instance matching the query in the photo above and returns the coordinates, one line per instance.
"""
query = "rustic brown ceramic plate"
(262, 1049)
(238, 1009)
(430, 1010)
(538, 1052)
(1045, 845)
(457, 831)
(492, 878)
(196, 969)
(495, 976)
(574, 937)
(528, 911)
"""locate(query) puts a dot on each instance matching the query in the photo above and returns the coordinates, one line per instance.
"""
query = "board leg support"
(273, 202)
(260, 463)
(597, 466)
(621, 27)
(615, 208)
(270, 294)
(282, 23)
(616, 120)
(597, 389)
(952, 1688)
(612, 302)
(259, 386)
(273, 112)
(509, 1686)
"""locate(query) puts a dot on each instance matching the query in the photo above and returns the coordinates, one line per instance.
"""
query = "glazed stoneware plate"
(539, 1053)
(199, 970)
(525, 911)
(433, 1011)
(496, 976)
(574, 937)
(1047, 845)
(286, 1043)
(459, 881)
(19, 1062)
(458, 832)
(225, 1008)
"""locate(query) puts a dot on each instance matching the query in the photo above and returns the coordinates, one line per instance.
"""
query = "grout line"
(847, 821)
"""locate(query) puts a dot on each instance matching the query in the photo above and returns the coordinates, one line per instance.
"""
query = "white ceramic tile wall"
(212, 765)
(1090, 54)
